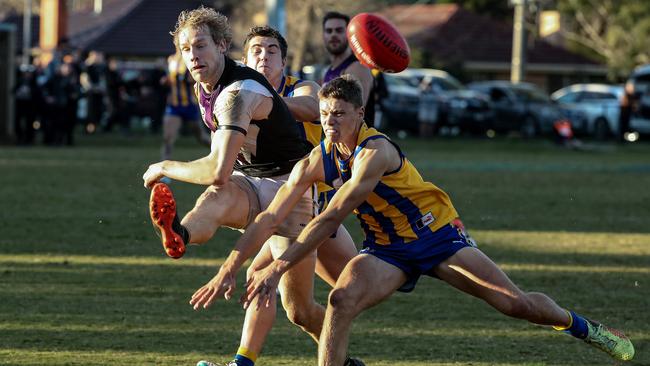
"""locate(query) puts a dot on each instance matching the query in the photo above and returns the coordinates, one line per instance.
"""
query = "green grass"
(84, 281)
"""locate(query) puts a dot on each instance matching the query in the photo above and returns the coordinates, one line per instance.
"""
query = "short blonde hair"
(215, 22)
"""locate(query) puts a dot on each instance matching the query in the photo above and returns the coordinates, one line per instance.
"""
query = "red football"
(377, 44)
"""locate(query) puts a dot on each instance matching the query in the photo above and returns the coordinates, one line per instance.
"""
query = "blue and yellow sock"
(245, 357)
(577, 326)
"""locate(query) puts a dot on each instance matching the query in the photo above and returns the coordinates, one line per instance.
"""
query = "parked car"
(640, 82)
(520, 107)
(593, 109)
(421, 95)
(400, 107)
(469, 111)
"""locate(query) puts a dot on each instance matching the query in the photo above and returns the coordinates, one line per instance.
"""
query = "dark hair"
(335, 15)
(346, 88)
(266, 31)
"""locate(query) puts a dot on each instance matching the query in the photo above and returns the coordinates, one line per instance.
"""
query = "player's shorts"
(186, 113)
(422, 256)
(260, 192)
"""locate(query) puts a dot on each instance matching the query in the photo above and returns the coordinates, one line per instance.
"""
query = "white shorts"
(261, 191)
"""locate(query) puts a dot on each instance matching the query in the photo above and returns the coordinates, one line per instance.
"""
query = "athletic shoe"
(162, 209)
(353, 362)
(208, 363)
(609, 340)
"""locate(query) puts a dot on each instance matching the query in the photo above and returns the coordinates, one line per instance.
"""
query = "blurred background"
(568, 70)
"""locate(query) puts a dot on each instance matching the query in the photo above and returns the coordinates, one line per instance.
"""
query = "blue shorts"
(421, 256)
(186, 113)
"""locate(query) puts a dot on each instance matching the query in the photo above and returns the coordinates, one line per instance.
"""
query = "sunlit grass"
(83, 280)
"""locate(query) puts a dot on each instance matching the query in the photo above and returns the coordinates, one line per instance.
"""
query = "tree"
(615, 30)
(303, 19)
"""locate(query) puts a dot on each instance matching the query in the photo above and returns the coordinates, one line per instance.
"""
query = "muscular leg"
(365, 282)
(259, 319)
(297, 291)
(227, 205)
(471, 271)
(334, 254)
(171, 126)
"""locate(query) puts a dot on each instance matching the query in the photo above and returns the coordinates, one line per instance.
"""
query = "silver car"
(593, 109)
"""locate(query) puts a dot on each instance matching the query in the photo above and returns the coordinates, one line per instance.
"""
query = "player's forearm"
(303, 108)
(199, 171)
(311, 237)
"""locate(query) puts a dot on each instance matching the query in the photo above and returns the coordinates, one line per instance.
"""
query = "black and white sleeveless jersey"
(273, 145)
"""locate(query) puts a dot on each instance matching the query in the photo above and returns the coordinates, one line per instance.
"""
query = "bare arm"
(303, 176)
(303, 105)
(371, 163)
(235, 108)
(364, 76)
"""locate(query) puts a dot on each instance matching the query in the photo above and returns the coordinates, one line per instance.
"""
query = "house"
(128, 29)
(477, 47)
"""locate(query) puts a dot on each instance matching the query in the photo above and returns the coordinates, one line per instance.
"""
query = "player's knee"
(299, 316)
(343, 300)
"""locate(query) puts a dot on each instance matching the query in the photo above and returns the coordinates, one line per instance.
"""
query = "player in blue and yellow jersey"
(181, 106)
(409, 230)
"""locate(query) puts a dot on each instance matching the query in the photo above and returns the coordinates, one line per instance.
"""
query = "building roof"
(131, 28)
(142, 30)
(452, 34)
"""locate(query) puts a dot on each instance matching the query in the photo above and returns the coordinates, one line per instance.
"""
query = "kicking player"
(265, 50)
(252, 131)
(409, 233)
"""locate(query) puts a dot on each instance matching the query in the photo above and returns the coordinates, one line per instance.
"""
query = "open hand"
(223, 284)
(263, 283)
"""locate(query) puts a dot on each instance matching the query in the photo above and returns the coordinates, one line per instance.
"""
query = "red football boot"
(162, 208)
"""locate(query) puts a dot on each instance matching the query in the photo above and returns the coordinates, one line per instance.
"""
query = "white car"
(592, 108)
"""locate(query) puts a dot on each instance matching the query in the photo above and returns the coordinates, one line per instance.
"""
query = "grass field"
(84, 281)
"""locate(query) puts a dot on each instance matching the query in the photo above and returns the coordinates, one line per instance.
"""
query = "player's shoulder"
(300, 83)
(248, 85)
(358, 70)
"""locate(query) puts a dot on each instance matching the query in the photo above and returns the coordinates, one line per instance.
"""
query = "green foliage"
(84, 280)
(617, 31)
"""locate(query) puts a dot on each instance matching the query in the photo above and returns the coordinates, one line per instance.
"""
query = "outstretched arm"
(370, 164)
(235, 109)
(303, 176)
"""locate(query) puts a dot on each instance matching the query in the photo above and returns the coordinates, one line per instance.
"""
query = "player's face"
(264, 55)
(202, 56)
(334, 36)
(339, 119)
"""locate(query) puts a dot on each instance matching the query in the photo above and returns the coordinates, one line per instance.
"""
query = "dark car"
(400, 106)
(468, 111)
(432, 96)
(639, 82)
(520, 107)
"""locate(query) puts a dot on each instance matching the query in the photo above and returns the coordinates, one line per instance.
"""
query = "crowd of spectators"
(86, 93)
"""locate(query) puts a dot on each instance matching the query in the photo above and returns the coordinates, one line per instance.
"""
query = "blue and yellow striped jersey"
(311, 129)
(180, 83)
(402, 207)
